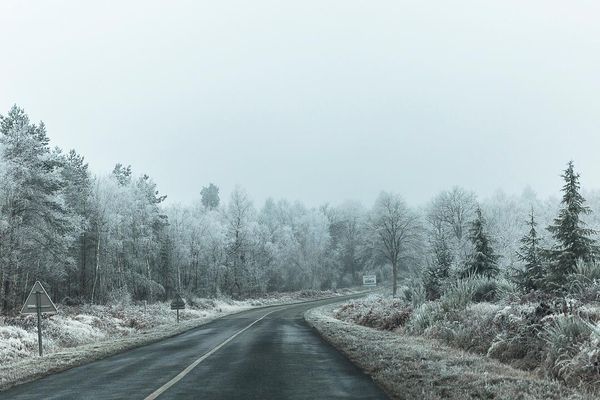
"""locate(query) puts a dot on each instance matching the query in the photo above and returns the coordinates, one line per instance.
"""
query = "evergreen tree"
(573, 239)
(439, 269)
(483, 260)
(531, 277)
(34, 240)
(77, 194)
(210, 196)
(122, 174)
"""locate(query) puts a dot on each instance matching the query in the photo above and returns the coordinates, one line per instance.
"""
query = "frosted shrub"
(584, 283)
(507, 290)
(476, 331)
(566, 337)
(471, 330)
(376, 312)
(119, 296)
(16, 343)
(459, 295)
(418, 295)
(424, 317)
(449, 307)
(518, 340)
(584, 367)
(70, 332)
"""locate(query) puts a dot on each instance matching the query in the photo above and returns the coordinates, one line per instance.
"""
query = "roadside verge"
(409, 367)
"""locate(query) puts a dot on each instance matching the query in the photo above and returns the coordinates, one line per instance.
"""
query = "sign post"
(38, 302)
(177, 304)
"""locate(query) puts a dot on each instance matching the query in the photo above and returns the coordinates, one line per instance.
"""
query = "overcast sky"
(314, 100)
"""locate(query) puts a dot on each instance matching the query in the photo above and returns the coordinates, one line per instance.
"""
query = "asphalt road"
(268, 353)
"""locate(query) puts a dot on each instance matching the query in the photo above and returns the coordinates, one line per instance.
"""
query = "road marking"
(193, 365)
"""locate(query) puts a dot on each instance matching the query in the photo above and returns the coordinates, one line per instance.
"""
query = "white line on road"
(193, 365)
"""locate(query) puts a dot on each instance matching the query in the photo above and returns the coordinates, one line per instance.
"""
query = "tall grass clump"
(468, 290)
(584, 282)
(573, 350)
(424, 317)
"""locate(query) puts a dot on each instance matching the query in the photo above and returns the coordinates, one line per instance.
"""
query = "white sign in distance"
(369, 280)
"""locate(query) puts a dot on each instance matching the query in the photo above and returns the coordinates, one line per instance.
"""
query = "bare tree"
(449, 215)
(454, 208)
(397, 230)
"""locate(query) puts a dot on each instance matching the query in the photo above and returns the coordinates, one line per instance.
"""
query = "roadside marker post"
(178, 304)
(38, 302)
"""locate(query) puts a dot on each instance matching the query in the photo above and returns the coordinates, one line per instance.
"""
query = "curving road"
(268, 353)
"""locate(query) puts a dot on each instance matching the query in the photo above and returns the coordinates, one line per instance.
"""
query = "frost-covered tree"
(77, 194)
(449, 214)
(240, 213)
(482, 260)
(531, 277)
(397, 231)
(34, 242)
(573, 239)
(210, 196)
(346, 228)
(438, 268)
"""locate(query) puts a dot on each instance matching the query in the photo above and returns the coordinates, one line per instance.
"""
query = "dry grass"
(409, 367)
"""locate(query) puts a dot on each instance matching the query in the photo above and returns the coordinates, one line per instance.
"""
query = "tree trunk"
(96, 268)
(83, 288)
(395, 278)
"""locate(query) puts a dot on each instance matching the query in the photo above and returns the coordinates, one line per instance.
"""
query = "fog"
(315, 101)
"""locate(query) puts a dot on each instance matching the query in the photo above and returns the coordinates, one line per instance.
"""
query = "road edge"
(311, 321)
(404, 359)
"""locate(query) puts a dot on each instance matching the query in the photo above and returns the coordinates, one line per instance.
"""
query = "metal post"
(178, 315)
(38, 304)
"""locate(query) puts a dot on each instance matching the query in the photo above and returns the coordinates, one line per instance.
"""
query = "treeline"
(104, 238)
(540, 262)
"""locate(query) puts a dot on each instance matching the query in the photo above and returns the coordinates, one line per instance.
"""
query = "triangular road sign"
(46, 305)
(178, 303)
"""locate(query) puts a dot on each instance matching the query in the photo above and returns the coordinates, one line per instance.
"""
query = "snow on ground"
(409, 367)
(81, 334)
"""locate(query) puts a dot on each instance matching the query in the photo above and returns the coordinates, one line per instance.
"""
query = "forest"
(99, 238)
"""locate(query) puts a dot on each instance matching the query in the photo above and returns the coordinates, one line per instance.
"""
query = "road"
(268, 353)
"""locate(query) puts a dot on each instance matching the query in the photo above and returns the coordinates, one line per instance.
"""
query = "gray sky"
(314, 100)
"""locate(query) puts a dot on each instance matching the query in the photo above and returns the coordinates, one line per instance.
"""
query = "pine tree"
(483, 260)
(35, 239)
(210, 196)
(532, 275)
(573, 239)
(439, 269)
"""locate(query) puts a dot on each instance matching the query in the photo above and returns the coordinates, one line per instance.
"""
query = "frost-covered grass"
(80, 334)
(412, 367)
(559, 341)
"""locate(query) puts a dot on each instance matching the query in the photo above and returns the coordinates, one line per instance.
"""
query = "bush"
(418, 295)
(518, 340)
(119, 296)
(507, 290)
(471, 329)
(424, 317)
(584, 283)
(376, 312)
(565, 339)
